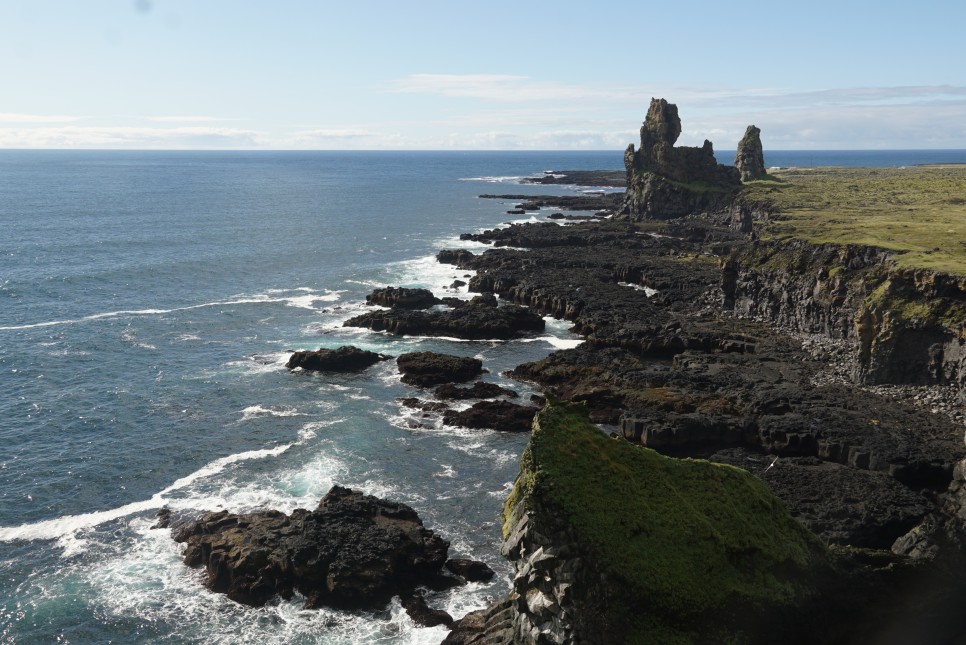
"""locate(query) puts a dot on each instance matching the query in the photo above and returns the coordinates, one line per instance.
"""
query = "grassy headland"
(917, 211)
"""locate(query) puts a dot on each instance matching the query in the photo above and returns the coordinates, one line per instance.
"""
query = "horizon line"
(508, 150)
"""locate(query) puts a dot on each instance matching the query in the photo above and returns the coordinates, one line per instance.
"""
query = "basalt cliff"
(786, 457)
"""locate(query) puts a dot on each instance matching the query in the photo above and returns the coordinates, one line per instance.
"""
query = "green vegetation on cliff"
(696, 550)
(920, 212)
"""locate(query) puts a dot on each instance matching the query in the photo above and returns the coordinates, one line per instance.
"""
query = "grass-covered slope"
(918, 211)
(693, 551)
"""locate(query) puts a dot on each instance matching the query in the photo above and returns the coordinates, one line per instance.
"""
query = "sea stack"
(666, 182)
(750, 159)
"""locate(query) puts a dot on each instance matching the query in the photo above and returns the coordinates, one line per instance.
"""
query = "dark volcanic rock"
(478, 319)
(402, 297)
(498, 415)
(424, 615)
(480, 390)
(353, 551)
(664, 181)
(612, 178)
(609, 202)
(687, 380)
(490, 626)
(426, 406)
(342, 359)
(471, 570)
(875, 511)
(426, 369)
(750, 158)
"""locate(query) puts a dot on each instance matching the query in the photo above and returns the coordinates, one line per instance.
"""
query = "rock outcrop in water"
(342, 359)
(664, 181)
(426, 369)
(353, 551)
(750, 158)
(402, 297)
(482, 318)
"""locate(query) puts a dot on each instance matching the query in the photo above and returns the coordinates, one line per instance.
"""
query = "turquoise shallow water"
(147, 301)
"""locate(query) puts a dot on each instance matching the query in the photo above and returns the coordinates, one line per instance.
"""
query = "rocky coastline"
(759, 440)
(796, 362)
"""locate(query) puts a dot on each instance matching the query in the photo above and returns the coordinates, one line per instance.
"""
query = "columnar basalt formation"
(664, 181)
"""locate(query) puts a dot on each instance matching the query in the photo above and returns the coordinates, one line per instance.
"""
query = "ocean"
(148, 301)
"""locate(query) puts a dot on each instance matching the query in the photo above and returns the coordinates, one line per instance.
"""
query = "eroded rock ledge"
(613, 543)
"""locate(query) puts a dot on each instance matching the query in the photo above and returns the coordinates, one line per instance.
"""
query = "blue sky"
(299, 74)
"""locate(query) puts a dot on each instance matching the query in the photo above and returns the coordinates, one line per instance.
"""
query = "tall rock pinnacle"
(750, 159)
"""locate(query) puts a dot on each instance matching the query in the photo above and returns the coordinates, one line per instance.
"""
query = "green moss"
(919, 212)
(886, 297)
(698, 544)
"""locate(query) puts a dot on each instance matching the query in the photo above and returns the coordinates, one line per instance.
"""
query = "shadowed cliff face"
(665, 181)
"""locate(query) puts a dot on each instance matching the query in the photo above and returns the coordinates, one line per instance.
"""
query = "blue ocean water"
(147, 300)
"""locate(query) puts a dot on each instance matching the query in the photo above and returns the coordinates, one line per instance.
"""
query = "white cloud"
(186, 119)
(128, 137)
(7, 117)
(924, 124)
(506, 88)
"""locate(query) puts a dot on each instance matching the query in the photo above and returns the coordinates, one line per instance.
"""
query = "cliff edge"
(615, 543)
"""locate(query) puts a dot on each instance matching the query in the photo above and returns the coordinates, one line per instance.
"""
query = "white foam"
(497, 179)
(329, 296)
(638, 287)
(254, 411)
(560, 343)
(57, 528)
(427, 273)
(446, 471)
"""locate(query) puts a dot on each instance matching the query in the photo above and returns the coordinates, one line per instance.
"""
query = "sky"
(473, 75)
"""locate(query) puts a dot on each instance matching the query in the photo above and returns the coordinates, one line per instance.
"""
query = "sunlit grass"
(918, 211)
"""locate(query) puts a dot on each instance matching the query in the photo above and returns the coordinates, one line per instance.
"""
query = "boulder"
(342, 359)
(426, 369)
(353, 551)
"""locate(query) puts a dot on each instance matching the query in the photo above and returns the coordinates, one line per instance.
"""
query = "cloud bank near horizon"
(508, 112)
